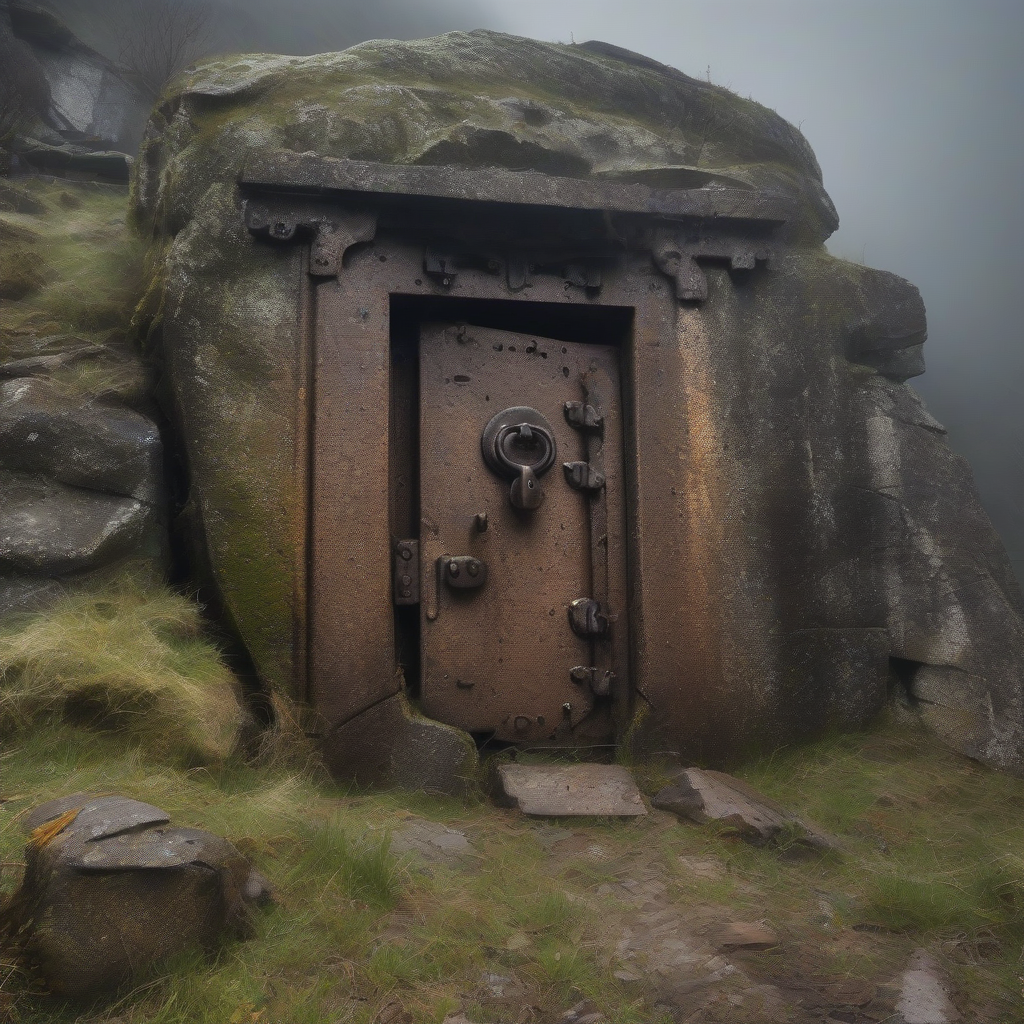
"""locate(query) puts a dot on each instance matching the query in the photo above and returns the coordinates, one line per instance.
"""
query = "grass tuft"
(129, 660)
(365, 867)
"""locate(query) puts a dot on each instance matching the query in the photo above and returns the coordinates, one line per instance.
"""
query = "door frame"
(355, 648)
(373, 232)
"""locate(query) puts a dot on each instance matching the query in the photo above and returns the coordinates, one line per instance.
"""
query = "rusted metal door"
(523, 625)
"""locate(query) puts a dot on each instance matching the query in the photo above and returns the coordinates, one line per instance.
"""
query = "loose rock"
(50, 529)
(432, 842)
(84, 444)
(746, 935)
(111, 888)
(703, 796)
(571, 790)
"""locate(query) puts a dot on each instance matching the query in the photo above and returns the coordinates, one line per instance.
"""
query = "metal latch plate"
(406, 563)
(463, 572)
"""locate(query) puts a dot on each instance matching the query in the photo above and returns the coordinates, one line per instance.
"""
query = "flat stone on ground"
(923, 997)
(704, 796)
(431, 841)
(745, 935)
(571, 790)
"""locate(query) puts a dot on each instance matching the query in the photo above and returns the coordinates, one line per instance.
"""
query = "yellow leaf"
(46, 833)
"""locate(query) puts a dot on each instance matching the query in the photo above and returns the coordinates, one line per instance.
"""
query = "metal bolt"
(522, 723)
(453, 568)
(567, 708)
(406, 553)
(473, 568)
(406, 593)
(406, 580)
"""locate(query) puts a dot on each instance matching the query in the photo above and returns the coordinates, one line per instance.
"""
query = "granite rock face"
(111, 888)
(81, 487)
(837, 541)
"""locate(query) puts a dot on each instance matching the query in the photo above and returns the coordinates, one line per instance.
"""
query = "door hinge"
(582, 476)
(600, 681)
(406, 564)
(586, 617)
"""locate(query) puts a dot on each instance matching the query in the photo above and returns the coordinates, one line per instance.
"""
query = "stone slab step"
(574, 790)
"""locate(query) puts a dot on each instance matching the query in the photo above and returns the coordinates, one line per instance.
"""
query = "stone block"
(573, 790)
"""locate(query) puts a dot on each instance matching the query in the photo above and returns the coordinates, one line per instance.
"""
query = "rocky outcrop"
(112, 450)
(81, 487)
(954, 612)
(832, 532)
(82, 475)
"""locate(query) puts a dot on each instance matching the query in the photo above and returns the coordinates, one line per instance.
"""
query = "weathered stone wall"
(831, 528)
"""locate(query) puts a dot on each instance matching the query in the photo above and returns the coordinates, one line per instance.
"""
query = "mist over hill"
(307, 26)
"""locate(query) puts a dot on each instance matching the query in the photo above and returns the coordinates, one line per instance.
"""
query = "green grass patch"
(72, 265)
(931, 858)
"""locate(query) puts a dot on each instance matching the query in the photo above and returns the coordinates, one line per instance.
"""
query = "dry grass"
(72, 266)
(131, 659)
(70, 275)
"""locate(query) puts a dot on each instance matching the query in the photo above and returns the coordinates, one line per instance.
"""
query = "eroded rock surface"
(704, 796)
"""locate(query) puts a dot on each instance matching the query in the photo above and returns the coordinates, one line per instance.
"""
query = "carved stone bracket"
(676, 256)
(331, 230)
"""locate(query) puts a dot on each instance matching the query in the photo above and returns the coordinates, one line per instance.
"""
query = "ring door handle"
(519, 445)
(512, 442)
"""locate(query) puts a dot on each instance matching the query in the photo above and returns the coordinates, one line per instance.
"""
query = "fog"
(914, 108)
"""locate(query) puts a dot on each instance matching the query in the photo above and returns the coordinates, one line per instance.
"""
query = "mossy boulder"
(471, 99)
(111, 889)
(836, 550)
(222, 313)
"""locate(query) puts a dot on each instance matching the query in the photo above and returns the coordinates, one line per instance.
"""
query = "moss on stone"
(225, 309)
(476, 99)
